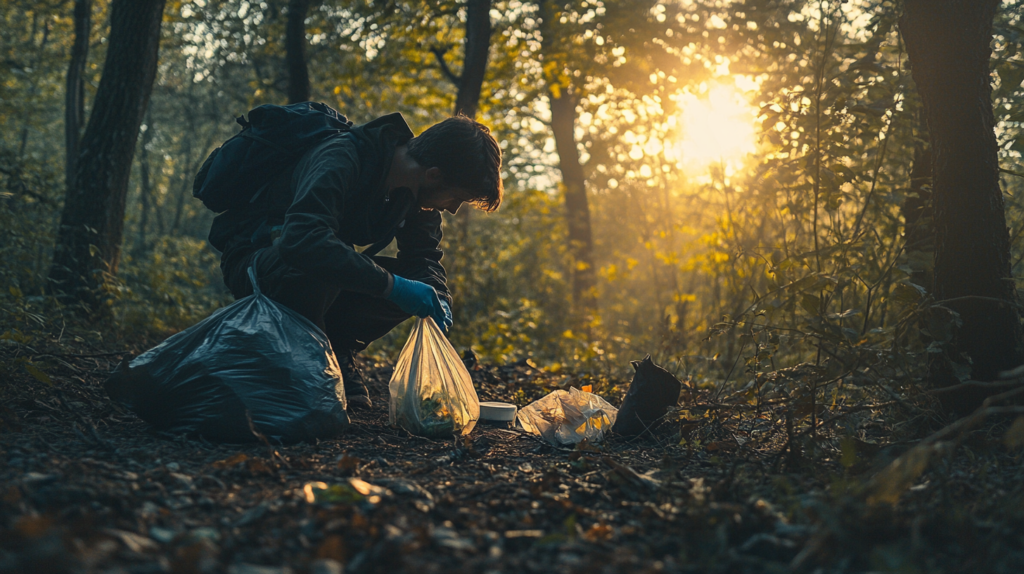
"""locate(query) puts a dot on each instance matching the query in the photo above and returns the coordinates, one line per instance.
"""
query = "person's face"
(434, 194)
(442, 198)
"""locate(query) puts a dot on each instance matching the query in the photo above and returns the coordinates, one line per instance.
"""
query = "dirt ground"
(85, 487)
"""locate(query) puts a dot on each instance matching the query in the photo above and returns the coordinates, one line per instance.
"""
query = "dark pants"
(351, 320)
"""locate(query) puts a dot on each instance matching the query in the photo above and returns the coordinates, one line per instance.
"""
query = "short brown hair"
(467, 155)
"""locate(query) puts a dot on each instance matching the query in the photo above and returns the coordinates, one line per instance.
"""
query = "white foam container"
(496, 411)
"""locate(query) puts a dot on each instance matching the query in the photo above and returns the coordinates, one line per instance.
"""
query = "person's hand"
(419, 299)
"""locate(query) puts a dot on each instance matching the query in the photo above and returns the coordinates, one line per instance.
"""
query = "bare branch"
(439, 53)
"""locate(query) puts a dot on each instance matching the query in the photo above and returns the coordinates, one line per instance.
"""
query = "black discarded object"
(651, 393)
(252, 360)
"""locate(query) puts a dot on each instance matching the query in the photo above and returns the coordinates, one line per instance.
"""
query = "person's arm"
(419, 241)
(324, 178)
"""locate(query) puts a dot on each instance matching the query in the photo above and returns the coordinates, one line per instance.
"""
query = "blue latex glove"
(419, 299)
(447, 317)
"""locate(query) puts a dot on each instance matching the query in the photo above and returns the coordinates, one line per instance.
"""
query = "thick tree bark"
(295, 51)
(948, 42)
(563, 101)
(74, 92)
(577, 208)
(477, 46)
(92, 223)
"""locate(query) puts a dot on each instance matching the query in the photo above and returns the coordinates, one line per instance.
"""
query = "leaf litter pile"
(723, 485)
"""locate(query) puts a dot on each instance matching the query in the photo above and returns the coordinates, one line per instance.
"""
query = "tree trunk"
(467, 101)
(295, 51)
(74, 92)
(477, 45)
(577, 208)
(948, 42)
(562, 97)
(89, 240)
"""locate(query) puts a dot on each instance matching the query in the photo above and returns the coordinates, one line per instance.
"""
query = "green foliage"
(176, 284)
(724, 274)
(30, 191)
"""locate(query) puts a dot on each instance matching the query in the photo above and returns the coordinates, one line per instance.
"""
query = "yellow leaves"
(556, 91)
(611, 272)
(710, 239)
(671, 259)
(718, 257)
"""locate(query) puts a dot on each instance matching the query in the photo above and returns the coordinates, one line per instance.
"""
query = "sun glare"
(716, 128)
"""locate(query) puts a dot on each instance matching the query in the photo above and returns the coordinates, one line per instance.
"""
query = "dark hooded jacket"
(332, 200)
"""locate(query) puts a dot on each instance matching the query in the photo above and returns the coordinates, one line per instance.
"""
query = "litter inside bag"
(567, 417)
(432, 394)
(254, 360)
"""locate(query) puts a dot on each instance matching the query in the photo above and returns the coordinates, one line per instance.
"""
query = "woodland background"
(844, 287)
(816, 247)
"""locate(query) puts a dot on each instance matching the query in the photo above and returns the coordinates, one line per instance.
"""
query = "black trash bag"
(254, 360)
(651, 393)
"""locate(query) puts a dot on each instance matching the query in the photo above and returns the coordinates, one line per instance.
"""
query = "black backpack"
(271, 140)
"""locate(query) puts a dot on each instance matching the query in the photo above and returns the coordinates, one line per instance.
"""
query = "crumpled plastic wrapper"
(568, 417)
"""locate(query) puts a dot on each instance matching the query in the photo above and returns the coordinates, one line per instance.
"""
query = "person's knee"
(307, 295)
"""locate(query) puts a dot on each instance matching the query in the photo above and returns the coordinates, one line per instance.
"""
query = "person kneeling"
(367, 187)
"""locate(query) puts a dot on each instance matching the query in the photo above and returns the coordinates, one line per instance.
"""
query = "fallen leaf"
(888, 485)
(720, 445)
(599, 532)
(231, 461)
(1015, 434)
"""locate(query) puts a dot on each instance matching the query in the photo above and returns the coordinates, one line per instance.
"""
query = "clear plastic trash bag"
(568, 417)
(432, 394)
(254, 360)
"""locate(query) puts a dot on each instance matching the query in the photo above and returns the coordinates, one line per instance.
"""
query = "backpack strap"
(248, 134)
(378, 247)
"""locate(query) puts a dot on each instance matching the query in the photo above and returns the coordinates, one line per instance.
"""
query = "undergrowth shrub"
(173, 286)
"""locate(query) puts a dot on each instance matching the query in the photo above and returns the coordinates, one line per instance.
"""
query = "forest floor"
(85, 487)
